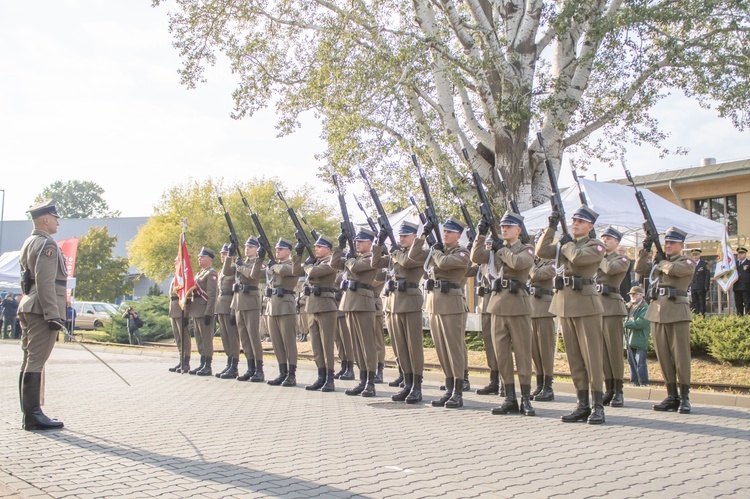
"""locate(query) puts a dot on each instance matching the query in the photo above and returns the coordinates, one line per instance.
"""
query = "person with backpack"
(135, 323)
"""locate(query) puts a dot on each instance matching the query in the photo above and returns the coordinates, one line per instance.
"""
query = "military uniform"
(700, 284)
(303, 318)
(201, 310)
(483, 279)
(741, 287)
(246, 303)
(378, 285)
(543, 346)
(41, 312)
(179, 319)
(230, 337)
(343, 338)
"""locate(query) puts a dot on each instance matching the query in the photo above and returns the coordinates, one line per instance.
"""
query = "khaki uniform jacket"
(284, 275)
(541, 276)
(676, 272)
(226, 282)
(208, 280)
(41, 255)
(512, 262)
(580, 257)
(379, 284)
(451, 264)
(321, 274)
(175, 311)
(249, 273)
(611, 272)
(407, 267)
(358, 269)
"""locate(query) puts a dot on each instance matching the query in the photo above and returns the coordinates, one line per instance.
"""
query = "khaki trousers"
(406, 337)
(489, 348)
(583, 345)
(37, 342)
(181, 336)
(248, 325)
(672, 345)
(449, 334)
(230, 336)
(204, 336)
(284, 338)
(362, 328)
(344, 340)
(543, 345)
(612, 359)
(380, 338)
(322, 333)
(511, 336)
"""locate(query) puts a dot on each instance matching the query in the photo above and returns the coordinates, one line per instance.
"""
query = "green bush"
(701, 331)
(154, 311)
(728, 337)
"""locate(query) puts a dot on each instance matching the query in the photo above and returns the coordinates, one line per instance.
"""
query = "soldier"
(282, 277)
(510, 308)
(246, 303)
(578, 307)
(446, 304)
(41, 312)
(230, 337)
(543, 339)
(378, 285)
(700, 284)
(612, 271)
(741, 288)
(359, 304)
(201, 310)
(179, 319)
(404, 303)
(670, 275)
(322, 311)
(303, 319)
(343, 337)
(483, 291)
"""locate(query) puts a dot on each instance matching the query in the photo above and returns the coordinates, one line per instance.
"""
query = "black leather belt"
(352, 284)
(606, 289)
(174, 298)
(568, 280)
(511, 284)
(406, 284)
(538, 292)
(282, 291)
(667, 290)
(226, 293)
(323, 289)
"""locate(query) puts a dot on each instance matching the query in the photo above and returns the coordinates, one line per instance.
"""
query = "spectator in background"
(17, 329)
(134, 325)
(9, 313)
(70, 317)
(700, 283)
(638, 333)
(741, 288)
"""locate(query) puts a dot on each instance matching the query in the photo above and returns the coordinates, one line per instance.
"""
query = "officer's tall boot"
(206, 371)
(200, 366)
(539, 386)
(226, 368)
(465, 385)
(399, 380)
(618, 400)
(250, 371)
(360, 387)
(415, 395)
(33, 417)
(318, 382)
(526, 408)
(20, 389)
(447, 395)
(185, 367)
(597, 414)
(672, 402)
(291, 377)
(609, 393)
(510, 404)
(176, 368)
(232, 372)
(369, 390)
(329, 385)
(338, 375)
(258, 375)
(582, 410)
(546, 395)
(408, 383)
(283, 371)
(684, 399)
(349, 373)
(494, 387)
(379, 374)
(457, 399)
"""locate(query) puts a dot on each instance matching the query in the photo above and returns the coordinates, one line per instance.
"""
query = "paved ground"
(172, 435)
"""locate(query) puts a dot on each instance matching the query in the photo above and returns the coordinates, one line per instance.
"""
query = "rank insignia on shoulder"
(599, 247)
(213, 277)
(689, 261)
(48, 252)
(462, 254)
(531, 251)
(624, 259)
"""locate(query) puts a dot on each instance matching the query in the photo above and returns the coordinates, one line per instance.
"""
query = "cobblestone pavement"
(171, 435)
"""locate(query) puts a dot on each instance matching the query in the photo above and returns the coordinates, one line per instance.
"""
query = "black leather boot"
(465, 385)
(258, 375)
(510, 404)
(526, 408)
(232, 372)
(546, 395)
(349, 373)
(397, 382)
(408, 383)
(379, 374)
(318, 382)
(457, 399)
(291, 377)
(283, 372)
(539, 386)
(494, 387)
(609, 393)
(200, 366)
(185, 367)
(369, 390)
(582, 410)
(618, 400)
(342, 370)
(33, 417)
(329, 386)
(360, 387)
(176, 368)
(597, 414)
(415, 395)
(684, 399)
(672, 402)
(250, 371)
(448, 394)
(206, 370)
(226, 368)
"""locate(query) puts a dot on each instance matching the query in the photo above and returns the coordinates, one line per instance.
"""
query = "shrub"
(728, 338)
(154, 311)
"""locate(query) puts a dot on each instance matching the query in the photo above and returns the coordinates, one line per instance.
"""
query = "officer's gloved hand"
(233, 319)
(207, 319)
(427, 229)
(554, 219)
(271, 262)
(437, 246)
(483, 227)
(299, 248)
(261, 253)
(310, 260)
(648, 243)
(382, 236)
(56, 324)
(232, 249)
(497, 244)
(565, 239)
(659, 257)
(349, 254)
(470, 245)
(342, 240)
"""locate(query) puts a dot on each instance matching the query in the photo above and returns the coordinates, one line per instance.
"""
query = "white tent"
(10, 272)
(617, 206)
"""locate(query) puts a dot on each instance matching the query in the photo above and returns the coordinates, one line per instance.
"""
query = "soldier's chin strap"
(72, 337)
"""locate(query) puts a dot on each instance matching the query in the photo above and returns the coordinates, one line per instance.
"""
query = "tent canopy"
(618, 207)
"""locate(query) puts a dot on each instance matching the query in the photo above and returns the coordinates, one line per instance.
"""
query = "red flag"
(69, 248)
(184, 281)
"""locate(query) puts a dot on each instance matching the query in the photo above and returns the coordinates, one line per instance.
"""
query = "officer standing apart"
(448, 265)
(700, 284)
(247, 303)
(669, 313)
(543, 346)
(179, 319)
(579, 308)
(230, 337)
(41, 311)
(742, 286)
(202, 308)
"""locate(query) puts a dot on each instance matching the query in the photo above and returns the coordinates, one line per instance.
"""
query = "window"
(720, 209)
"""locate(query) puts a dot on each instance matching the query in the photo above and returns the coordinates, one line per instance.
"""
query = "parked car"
(93, 314)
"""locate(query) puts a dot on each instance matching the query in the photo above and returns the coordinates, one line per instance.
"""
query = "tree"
(382, 74)
(78, 199)
(154, 248)
(99, 275)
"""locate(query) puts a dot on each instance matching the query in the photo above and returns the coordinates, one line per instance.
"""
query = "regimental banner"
(69, 248)
(184, 280)
(725, 273)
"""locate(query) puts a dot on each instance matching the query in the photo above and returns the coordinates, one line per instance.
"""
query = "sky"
(89, 90)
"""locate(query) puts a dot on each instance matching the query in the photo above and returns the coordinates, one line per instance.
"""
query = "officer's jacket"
(674, 272)
(249, 273)
(701, 278)
(175, 311)
(321, 280)
(612, 271)
(379, 284)
(540, 288)
(579, 258)
(46, 264)
(358, 269)
(743, 276)
(450, 265)
(512, 263)
(284, 275)
(406, 267)
(208, 280)
(226, 283)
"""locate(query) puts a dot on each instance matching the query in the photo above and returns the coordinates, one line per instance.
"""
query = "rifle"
(346, 225)
(581, 194)
(314, 233)
(555, 198)
(485, 208)
(262, 239)
(471, 231)
(649, 226)
(524, 237)
(300, 232)
(429, 210)
(382, 216)
(370, 222)
(232, 234)
(422, 218)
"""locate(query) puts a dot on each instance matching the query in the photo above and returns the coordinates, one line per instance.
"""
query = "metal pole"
(2, 221)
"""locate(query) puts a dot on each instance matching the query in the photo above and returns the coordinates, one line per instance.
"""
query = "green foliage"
(427, 341)
(154, 311)
(725, 337)
(99, 275)
(155, 290)
(701, 331)
(78, 199)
